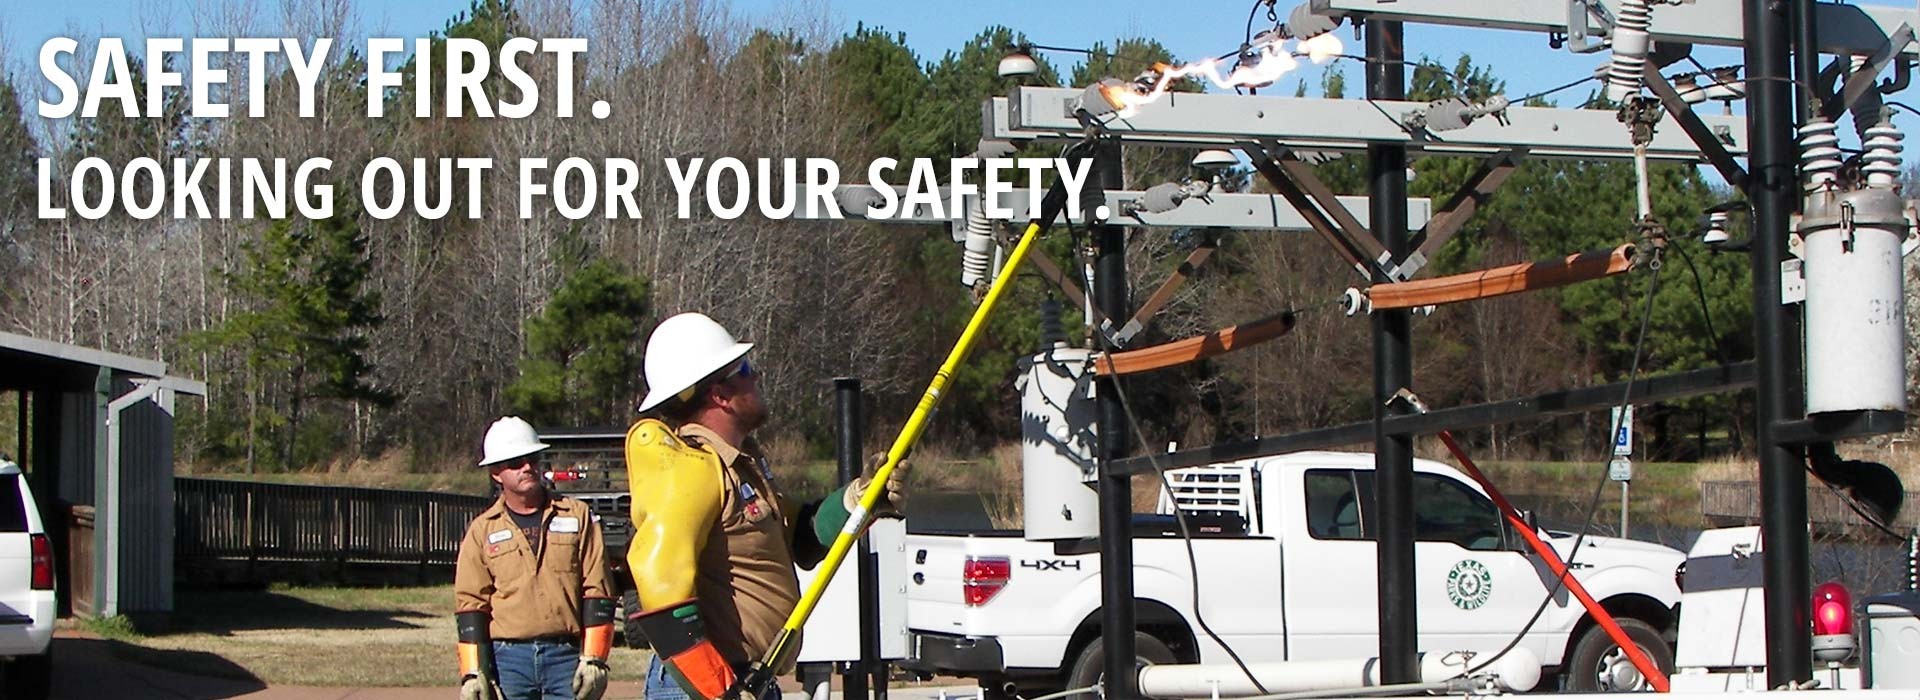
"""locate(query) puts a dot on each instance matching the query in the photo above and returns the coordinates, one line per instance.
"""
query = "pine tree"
(308, 337)
(583, 350)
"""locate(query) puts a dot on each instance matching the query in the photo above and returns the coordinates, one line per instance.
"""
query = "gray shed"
(96, 438)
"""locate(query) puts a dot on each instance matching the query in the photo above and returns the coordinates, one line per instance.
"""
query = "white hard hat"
(682, 351)
(509, 438)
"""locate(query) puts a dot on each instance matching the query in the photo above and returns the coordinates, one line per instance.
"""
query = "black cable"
(1706, 314)
(1250, 13)
(1186, 535)
(1901, 105)
(1179, 516)
(1524, 100)
(1593, 504)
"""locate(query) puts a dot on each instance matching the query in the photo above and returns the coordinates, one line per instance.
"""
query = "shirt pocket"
(563, 550)
(510, 563)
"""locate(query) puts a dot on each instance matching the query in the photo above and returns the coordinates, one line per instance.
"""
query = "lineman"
(530, 592)
(714, 540)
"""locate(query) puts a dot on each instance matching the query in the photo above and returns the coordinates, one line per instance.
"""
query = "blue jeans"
(660, 684)
(537, 670)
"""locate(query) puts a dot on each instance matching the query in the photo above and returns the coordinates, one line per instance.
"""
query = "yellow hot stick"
(909, 434)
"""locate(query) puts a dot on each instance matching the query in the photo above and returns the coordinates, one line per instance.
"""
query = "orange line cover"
(1499, 281)
(1196, 348)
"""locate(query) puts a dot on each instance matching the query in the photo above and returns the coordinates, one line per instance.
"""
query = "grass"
(338, 637)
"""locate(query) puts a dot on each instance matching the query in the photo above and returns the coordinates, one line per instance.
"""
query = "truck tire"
(630, 604)
(29, 677)
(1597, 665)
(1090, 668)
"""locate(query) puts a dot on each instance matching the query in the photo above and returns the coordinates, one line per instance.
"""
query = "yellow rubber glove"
(677, 491)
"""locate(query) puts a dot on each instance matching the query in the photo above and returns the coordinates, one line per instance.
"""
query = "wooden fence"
(1728, 503)
(228, 521)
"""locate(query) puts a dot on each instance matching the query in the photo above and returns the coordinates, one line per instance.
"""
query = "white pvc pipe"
(1518, 671)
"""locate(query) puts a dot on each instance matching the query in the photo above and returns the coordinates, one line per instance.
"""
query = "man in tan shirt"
(531, 600)
(715, 542)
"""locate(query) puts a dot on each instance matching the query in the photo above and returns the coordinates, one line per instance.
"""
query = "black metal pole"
(846, 400)
(1392, 371)
(1116, 487)
(1774, 191)
(1806, 58)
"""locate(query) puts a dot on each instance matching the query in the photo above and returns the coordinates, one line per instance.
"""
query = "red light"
(563, 476)
(42, 563)
(1832, 609)
(982, 578)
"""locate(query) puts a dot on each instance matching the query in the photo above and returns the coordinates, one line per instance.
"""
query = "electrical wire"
(1706, 314)
(1543, 93)
(1186, 535)
(1901, 105)
(1179, 516)
(1593, 503)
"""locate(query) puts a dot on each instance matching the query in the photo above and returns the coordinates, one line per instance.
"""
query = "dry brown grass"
(337, 637)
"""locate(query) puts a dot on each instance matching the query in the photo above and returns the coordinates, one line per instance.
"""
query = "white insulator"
(1819, 153)
(1882, 160)
(979, 252)
(1057, 431)
(1630, 45)
(1867, 108)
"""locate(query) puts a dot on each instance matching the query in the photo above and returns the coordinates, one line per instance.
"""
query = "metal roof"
(32, 362)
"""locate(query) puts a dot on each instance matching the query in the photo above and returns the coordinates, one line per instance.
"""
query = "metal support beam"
(1243, 211)
(1323, 196)
(1492, 174)
(1115, 488)
(1559, 403)
(1774, 191)
(1392, 372)
(1320, 124)
(1703, 136)
(1263, 162)
(1868, 78)
(1143, 317)
(1842, 29)
(849, 446)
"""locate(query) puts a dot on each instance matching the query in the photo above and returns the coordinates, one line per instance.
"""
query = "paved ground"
(87, 669)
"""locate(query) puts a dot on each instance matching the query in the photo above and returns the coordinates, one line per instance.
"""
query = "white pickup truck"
(1286, 569)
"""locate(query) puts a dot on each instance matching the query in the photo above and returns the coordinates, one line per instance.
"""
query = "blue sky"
(1190, 30)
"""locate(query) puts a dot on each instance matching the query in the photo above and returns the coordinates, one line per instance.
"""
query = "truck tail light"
(42, 563)
(983, 578)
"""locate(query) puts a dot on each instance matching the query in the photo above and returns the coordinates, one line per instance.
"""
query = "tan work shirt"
(531, 595)
(745, 583)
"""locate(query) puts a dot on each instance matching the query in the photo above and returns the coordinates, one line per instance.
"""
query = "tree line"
(352, 337)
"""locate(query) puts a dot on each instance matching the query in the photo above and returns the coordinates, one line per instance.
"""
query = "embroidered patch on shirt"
(753, 509)
(499, 536)
(565, 523)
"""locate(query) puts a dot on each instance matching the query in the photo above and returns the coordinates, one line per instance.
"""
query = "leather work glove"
(477, 688)
(895, 499)
(589, 679)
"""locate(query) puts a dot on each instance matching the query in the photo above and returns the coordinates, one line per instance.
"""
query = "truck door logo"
(1050, 564)
(1469, 584)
